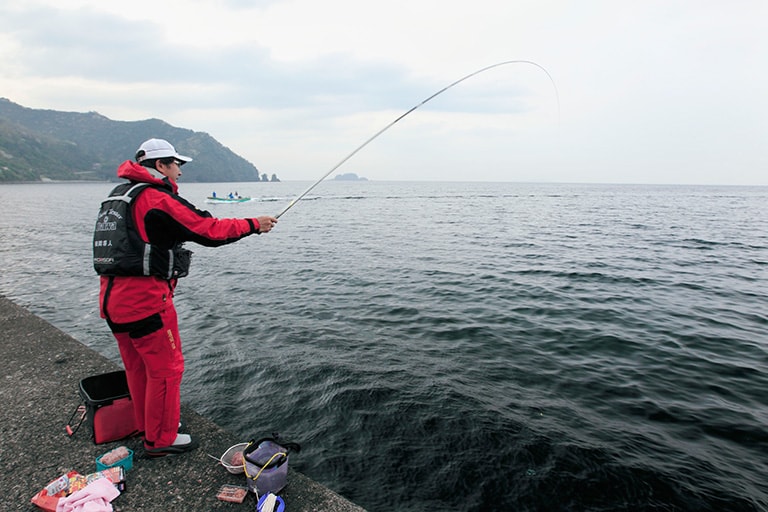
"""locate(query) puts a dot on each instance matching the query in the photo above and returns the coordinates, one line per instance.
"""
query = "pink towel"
(94, 497)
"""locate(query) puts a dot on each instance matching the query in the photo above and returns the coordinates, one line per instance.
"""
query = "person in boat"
(214, 194)
(140, 261)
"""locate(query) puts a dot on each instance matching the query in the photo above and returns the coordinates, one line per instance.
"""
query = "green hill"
(48, 144)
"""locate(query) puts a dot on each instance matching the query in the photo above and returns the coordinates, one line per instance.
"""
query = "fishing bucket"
(266, 464)
(106, 408)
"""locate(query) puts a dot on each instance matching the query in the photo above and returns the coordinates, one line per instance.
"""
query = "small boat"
(211, 199)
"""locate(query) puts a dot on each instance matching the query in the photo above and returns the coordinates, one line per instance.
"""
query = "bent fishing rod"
(387, 127)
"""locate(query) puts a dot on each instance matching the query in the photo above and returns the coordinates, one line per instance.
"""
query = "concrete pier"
(40, 368)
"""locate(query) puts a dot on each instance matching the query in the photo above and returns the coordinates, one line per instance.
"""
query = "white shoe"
(182, 440)
(183, 443)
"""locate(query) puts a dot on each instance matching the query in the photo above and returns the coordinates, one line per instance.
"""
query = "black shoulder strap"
(127, 191)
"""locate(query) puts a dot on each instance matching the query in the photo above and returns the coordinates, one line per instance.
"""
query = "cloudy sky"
(644, 92)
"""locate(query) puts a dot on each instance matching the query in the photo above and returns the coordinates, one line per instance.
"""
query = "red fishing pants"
(154, 366)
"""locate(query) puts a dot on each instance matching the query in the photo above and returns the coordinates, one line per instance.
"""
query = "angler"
(139, 255)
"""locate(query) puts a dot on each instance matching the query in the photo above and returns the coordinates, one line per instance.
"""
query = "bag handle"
(82, 410)
(274, 461)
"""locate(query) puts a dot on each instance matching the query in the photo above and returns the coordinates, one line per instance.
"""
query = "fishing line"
(353, 153)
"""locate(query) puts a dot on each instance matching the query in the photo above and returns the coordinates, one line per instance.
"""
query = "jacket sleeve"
(164, 218)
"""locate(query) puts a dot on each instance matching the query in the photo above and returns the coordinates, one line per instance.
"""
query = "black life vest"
(118, 250)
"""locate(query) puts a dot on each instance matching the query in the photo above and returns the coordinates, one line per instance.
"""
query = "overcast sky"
(649, 91)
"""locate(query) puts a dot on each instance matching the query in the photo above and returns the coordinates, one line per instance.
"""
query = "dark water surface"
(463, 346)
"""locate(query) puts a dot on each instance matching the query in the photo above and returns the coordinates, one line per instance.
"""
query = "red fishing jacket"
(163, 218)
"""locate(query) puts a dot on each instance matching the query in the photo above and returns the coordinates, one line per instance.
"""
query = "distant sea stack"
(350, 176)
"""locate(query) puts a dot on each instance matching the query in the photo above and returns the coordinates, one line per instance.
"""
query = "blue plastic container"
(126, 462)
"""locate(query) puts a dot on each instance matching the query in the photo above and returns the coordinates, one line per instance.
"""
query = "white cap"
(158, 148)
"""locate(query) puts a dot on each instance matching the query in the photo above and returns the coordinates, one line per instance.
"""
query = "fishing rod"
(361, 146)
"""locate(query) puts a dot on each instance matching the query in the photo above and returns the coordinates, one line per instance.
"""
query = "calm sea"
(463, 346)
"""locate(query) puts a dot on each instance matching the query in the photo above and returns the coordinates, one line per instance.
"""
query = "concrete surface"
(40, 369)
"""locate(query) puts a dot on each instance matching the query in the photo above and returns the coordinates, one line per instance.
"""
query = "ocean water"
(462, 346)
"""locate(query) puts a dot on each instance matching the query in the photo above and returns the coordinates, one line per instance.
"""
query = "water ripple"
(572, 347)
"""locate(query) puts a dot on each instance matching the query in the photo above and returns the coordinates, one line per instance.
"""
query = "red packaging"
(48, 502)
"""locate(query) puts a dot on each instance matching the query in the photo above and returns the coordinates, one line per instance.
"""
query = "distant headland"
(39, 145)
(350, 176)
